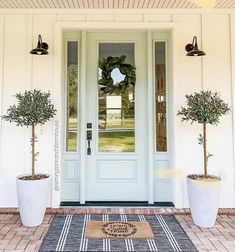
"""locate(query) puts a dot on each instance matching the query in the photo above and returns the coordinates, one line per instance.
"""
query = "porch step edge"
(119, 210)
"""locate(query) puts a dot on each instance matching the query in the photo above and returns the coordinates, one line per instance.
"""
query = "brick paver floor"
(219, 238)
(15, 237)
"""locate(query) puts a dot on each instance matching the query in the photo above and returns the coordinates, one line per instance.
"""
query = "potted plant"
(205, 108)
(33, 108)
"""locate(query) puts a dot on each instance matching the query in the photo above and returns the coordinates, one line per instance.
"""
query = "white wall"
(216, 71)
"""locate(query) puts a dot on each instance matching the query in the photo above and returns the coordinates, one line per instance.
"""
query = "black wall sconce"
(193, 50)
(41, 48)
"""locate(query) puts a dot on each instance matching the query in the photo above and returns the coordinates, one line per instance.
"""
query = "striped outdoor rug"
(67, 233)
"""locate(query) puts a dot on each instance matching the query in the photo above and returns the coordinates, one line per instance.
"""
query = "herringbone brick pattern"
(17, 238)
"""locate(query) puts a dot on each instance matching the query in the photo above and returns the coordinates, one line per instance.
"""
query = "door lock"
(89, 125)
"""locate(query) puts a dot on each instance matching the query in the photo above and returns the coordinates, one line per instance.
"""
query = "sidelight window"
(160, 96)
(72, 96)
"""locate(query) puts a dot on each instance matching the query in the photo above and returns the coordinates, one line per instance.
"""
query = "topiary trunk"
(33, 149)
(204, 149)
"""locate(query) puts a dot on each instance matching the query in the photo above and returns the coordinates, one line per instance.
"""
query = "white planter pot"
(204, 201)
(32, 200)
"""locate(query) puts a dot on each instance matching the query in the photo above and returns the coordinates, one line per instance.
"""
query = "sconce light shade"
(193, 50)
(41, 48)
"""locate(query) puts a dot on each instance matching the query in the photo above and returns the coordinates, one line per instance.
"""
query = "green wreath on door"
(107, 65)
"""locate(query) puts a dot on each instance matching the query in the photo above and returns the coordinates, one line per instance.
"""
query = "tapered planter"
(204, 200)
(32, 200)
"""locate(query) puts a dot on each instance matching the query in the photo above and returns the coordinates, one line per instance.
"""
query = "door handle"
(89, 135)
(89, 138)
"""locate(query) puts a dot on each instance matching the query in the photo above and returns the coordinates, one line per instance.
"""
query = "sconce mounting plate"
(189, 47)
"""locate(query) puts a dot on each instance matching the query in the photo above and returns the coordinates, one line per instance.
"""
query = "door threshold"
(117, 204)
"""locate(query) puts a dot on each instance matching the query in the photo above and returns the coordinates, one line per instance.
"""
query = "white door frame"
(57, 95)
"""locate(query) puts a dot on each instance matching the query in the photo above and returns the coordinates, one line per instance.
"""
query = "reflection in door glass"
(160, 96)
(72, 96)
(116, 107)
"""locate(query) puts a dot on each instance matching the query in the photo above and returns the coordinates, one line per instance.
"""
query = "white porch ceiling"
(117, 4)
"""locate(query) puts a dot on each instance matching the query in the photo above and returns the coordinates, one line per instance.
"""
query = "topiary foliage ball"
(33, 107)
(204, 107)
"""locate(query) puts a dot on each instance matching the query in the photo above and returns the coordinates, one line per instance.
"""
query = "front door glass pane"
(116, 125)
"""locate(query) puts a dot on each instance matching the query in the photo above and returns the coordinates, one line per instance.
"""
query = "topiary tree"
(33, 107)
(204, 108)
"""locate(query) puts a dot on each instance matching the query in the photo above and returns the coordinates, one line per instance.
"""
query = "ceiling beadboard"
(111, 4)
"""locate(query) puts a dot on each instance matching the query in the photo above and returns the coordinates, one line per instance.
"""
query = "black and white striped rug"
(67, 233)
